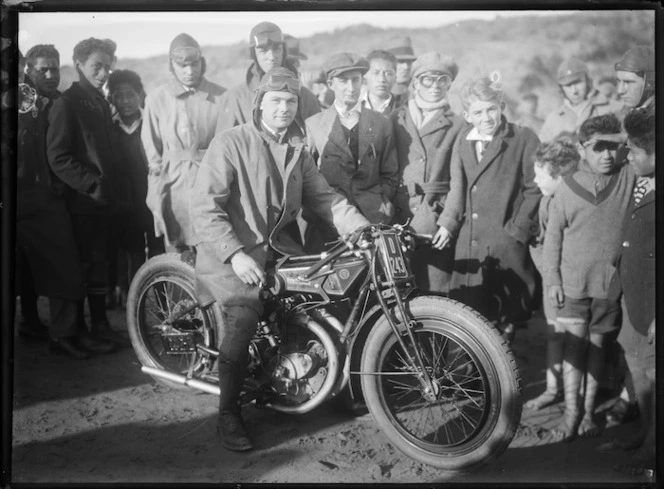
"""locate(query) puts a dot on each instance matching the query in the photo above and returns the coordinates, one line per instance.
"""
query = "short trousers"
(601, 315)
(639, 354)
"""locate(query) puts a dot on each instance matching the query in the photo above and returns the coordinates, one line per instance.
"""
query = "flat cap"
(435, 62)
(403, 49)
(264, 33)
(637, 60)
(339, 63)
(571, 70)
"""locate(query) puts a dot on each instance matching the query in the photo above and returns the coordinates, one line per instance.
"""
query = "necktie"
(640, 190)
(481, 148)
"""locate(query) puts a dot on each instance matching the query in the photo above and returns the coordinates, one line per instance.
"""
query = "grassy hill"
(525, 50)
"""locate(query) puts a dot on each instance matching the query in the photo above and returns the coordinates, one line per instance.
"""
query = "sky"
(146, 34)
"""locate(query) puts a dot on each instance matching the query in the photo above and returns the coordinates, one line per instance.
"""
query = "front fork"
(429, 388)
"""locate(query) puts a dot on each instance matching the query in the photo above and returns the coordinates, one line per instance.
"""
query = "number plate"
(394, 256)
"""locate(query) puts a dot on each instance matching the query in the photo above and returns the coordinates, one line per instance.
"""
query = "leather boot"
(69, 347)
(95, 345)
(102, 330)
(230, 427)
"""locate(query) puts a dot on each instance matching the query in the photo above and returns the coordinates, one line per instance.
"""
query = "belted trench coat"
(424, 157)
(248, 192)
(178, 126)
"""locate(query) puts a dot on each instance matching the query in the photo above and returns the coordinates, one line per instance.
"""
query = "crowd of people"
(520, 213)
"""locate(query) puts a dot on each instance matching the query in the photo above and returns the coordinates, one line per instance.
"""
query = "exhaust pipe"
(182, 380)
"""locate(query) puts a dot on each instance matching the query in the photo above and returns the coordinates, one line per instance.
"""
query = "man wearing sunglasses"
(581, 101)
(353, 147)
(267, 50)
(252, 182)
(581, 236)
(425, 131)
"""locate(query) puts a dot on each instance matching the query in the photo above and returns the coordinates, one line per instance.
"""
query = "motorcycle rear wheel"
(477, 386)
(165, 286)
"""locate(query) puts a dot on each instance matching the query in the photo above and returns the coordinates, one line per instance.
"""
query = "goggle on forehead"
(185, 55)
(281, 83)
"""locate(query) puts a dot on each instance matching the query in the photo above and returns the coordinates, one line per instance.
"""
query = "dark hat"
(184, 49)
(319, 77)
(339, 63)
(264, 33)
(293, 47)
(435, 62)
(637, 60)
(403, 50)
(571, 70)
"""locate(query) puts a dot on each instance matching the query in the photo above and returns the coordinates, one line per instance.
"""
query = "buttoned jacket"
(369, 183)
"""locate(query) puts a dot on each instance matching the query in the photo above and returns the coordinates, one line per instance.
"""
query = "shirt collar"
(278, 136)
(475, 135)
(341, 110)
(131, 128)
(365, 100)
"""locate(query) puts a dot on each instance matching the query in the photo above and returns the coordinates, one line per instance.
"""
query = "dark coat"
(635, 264)
(246, 198)
(424, 177)
(369, 184)
(492, 205)
(83, 152)
(43, 226)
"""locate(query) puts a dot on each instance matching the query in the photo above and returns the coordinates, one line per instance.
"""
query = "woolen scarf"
(422, 111)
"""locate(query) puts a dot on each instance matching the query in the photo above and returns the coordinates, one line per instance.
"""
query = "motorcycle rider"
(251, 184)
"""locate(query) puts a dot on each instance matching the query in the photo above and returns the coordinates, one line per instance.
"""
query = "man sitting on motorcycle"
(251, 184)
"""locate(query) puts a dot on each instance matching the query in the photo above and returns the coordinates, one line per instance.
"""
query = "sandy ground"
(103, 420)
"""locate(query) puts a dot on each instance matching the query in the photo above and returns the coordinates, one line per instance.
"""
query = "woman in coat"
(425, 131)
(180, 119)
(492, 205)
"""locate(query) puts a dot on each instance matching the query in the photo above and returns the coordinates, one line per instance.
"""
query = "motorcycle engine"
(299, 375)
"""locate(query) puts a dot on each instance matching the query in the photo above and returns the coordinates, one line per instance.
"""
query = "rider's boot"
(230, 427)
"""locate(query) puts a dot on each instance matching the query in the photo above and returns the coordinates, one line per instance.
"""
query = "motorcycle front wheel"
(471, 414)
(163, 314)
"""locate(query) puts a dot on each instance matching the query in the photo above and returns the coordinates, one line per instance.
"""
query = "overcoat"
(564, 119)
(83, 152)
(238, 101)
(492, 205)
(43, 225)
(178, 126)
(635, 263)
(371, 182)
(247, 198)
(424, 157)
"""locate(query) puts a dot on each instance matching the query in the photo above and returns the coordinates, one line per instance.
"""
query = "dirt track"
(102, 420)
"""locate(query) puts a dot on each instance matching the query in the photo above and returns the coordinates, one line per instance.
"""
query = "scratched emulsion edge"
(8, 123)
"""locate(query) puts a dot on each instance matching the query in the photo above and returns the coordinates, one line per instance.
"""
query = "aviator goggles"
(280, 83)
(427, 80)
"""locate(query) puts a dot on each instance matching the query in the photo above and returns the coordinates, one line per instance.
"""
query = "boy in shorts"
(578, 248)
(553, 161)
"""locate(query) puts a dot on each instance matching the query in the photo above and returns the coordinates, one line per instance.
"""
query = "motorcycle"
(437, 377)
